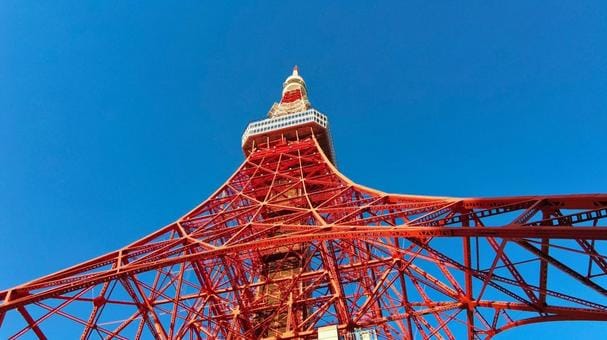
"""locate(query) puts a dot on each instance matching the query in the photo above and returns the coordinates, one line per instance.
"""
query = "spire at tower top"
(294, 96)
(293, 78)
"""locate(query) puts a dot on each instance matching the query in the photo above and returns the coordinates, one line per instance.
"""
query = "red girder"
(435, 267)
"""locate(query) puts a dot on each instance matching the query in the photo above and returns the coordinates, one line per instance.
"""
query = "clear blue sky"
(117, 117)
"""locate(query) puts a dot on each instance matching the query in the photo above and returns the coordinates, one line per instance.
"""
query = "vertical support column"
(279, 267)
(468, 278)
(544, 266)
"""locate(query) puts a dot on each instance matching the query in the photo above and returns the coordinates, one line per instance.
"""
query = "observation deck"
(289, 127)
(292, 119)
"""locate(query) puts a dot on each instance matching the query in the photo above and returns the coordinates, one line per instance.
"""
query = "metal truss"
(288, 245)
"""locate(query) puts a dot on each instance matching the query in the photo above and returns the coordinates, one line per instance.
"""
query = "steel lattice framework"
(288, 244)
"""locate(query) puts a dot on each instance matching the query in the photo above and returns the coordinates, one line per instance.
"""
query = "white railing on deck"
(282, 122)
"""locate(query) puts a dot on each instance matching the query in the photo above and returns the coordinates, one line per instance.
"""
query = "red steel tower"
(289, 248)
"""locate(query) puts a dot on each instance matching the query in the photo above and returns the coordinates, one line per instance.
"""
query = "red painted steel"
(291, 96)
(371, 260)
(406, 266)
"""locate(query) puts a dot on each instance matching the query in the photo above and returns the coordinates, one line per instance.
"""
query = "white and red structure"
(289, 248)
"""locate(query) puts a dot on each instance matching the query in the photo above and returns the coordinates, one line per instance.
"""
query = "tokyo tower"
(290, 248)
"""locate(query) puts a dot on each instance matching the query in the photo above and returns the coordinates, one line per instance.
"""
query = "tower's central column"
(290, 121)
